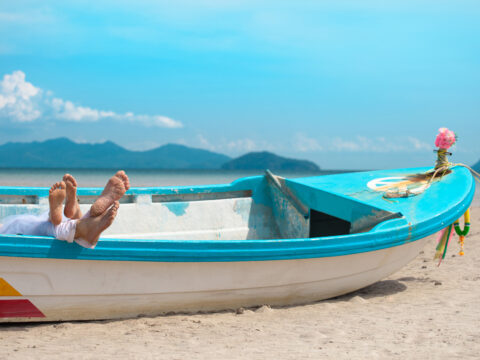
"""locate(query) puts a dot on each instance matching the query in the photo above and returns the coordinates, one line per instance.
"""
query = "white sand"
(421, 312)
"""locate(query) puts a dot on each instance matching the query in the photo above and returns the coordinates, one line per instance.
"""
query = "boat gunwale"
(230, 250)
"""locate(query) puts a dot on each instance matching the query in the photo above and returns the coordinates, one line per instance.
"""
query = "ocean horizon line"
(183, 169)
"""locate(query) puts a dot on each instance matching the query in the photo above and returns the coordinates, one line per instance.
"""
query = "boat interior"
(261, 207)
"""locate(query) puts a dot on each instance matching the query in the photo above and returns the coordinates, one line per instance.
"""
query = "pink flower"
(445, 138)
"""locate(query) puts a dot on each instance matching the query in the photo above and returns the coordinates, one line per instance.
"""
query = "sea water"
(138, 178)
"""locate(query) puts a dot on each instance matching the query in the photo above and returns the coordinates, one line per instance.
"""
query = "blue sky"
(347, 84)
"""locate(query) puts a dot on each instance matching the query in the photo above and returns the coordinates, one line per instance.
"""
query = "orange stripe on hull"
(7, 290)
(18, 308)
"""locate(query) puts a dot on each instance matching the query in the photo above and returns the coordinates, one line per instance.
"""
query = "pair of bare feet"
(65, 190)
(102, 212)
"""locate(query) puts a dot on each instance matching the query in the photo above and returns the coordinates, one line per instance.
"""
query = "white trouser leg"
(65, 230)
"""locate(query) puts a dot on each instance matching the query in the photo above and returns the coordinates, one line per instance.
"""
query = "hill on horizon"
(267, 160)
(64, 153)
(476, 167)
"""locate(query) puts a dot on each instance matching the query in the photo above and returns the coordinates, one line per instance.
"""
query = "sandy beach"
(420, 312)
(229, 118)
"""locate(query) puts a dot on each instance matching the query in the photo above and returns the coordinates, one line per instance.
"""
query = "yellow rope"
(446, 167)
(466, 216)
(475, 174)
(462, 233)
(442, 158)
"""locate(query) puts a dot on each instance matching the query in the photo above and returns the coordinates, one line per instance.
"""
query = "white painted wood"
(84, 290)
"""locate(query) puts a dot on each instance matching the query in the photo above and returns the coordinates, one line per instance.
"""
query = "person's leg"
(72, 208)
(113, 191)
(55, 199)
(89, 228)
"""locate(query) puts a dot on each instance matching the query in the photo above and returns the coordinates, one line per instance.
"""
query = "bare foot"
(90, 228)
(122, 176)
(113, 191)
(72, 208)
(55, 199)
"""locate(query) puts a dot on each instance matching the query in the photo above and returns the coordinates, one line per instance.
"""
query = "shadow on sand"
(379, 289)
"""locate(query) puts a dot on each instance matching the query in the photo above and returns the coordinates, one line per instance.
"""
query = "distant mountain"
(64, 153)
(476, 167)
(266, 160)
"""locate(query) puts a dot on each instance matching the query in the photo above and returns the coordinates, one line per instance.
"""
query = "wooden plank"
(201, 196)
(18, 199)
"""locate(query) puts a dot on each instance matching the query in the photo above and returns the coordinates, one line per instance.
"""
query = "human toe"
(122, 176)
(70, 179)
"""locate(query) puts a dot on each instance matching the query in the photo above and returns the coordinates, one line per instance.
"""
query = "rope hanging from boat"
(444, 140)
(442, 245)
(443, 241)
(416, 185)
(401, 190)
(462, 232)
(442, 160)
(445, 235)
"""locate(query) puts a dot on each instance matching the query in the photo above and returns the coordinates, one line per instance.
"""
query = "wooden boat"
(259, 240)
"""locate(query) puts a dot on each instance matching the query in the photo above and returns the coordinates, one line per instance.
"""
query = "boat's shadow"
(379, 289)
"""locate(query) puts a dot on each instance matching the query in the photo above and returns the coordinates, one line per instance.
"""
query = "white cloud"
(242, 145)
(340, 144)
(418, 144)
(303, 143)
(378, 144)
(18, 98)
(229, 146)
(21, 101)
(204, 143)
(148, 120)
(66, 110)
(247, 145)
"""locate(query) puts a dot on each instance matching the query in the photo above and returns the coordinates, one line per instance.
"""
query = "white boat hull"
(65, 289)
